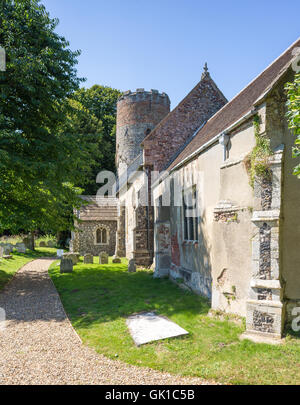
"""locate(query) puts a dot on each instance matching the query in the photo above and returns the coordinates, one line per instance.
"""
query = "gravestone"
(131, 266)
(42, 244)
(88, 259)
(71, 256)
(116, 260)
(50, 244)
(66, 265)
(103, 258)
(28, 243)
(7, 249)
(1, 251)
(21, 248)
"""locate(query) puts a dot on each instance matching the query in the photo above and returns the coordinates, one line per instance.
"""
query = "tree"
(99, 103)
(39, 163)
(293, 115)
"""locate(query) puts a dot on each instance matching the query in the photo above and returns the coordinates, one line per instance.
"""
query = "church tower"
(138, 113)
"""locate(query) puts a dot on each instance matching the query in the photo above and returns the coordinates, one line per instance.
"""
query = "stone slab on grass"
(148, 326)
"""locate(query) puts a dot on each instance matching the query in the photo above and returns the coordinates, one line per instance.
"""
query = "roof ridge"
(203, 78)
(252, 81)
(253, 93)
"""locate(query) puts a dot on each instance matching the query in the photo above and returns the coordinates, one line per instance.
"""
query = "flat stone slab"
(147, 327)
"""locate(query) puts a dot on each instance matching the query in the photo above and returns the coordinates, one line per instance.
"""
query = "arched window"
(101, 236)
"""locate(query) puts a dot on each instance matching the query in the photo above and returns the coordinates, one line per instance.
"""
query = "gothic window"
(101, 236)
(190, 214)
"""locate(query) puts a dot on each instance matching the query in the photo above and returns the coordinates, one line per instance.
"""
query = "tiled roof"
(99, 209)
(239, 105)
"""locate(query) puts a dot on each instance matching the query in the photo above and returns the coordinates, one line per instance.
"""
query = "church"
(206, 195)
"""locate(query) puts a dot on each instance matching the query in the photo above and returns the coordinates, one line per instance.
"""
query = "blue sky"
(163, 44)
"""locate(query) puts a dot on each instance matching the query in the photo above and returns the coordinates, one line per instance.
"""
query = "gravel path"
(39, 346)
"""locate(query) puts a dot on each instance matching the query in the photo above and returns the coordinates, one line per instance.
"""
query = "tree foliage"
(293, 115)
(39, 161)
(98, 107)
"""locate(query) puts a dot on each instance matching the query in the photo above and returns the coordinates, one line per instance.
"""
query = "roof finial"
(205, 71)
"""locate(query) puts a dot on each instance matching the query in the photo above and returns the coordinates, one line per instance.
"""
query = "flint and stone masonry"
(242, 251)
(138, 113)
(265, 310)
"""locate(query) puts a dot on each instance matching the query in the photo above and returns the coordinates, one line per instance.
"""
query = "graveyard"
(99, 299)
(149, 235)
(102, 295)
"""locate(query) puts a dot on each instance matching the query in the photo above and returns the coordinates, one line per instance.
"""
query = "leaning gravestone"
(131, 266)
(50, 244)
(66, 265)
(42, 244)
(71, 256)
(103, 258)
(88, 259)
(116, 260)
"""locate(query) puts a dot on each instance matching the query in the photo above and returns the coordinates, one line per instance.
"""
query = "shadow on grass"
(104, 293)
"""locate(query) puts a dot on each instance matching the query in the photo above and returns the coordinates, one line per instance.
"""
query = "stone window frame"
(101, 227)
(190, 224)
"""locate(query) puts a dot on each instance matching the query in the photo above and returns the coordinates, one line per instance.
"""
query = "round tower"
(137, 114)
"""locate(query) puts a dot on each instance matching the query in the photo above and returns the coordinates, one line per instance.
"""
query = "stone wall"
(84, 240)
(218, 265)
(265, 309)
(171, 134)
(137, 114)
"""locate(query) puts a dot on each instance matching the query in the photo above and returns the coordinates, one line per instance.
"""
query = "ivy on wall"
(257, 162)
(293, 116)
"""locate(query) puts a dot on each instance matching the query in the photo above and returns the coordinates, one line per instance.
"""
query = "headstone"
(21, 248)
(71, 256)
(6, 257)
(66, 265)
(1, 251)
(28, 243)
(50, 244)
(42, 244)
(131, 266)
(88, 259)
(116, 260)
(59, 252)
(103, 258)
(7, 249)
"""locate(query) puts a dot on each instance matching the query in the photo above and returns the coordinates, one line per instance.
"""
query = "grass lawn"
(9, 267)
(98, 298)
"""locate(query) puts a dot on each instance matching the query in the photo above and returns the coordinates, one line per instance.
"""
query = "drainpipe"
(148, 207)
